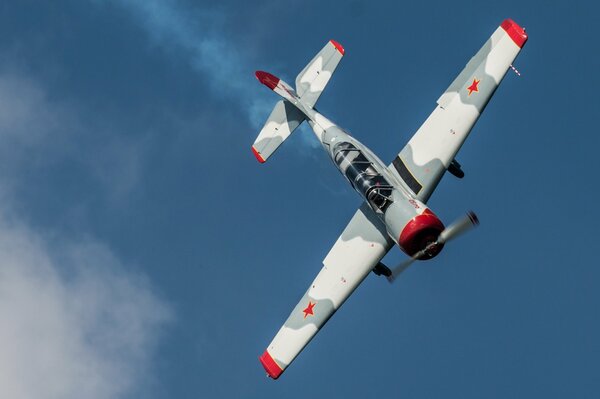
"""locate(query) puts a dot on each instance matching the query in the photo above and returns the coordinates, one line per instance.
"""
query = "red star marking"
(309, 309)
(473, 86)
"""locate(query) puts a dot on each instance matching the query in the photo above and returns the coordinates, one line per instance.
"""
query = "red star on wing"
(309, 309)
(474, 86)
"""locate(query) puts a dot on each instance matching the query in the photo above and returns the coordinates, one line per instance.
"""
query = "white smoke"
(217, 59)
(210, 53)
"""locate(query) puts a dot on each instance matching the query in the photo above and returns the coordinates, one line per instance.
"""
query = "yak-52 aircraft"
(395, 196)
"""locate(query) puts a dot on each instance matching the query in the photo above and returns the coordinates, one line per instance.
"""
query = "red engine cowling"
(419, 232)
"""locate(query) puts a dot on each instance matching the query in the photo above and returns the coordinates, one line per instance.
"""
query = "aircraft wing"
(363, 243)
(429, 153)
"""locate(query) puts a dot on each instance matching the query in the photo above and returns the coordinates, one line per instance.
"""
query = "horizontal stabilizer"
(311, 82)
(284, 119)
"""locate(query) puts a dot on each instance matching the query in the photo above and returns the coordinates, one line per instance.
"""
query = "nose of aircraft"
(419, 232)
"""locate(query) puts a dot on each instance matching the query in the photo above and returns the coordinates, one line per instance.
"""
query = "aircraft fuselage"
(408, 221)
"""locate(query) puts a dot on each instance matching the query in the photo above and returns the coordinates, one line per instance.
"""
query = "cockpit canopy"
(363, 176)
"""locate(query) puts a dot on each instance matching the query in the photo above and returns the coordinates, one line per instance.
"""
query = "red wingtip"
(272, 368)
(267, 79)
(516, 33)
(337, 46)
(257, 155)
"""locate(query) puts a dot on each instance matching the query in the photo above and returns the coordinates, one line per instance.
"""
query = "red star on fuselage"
(474, 86)
(309, 309)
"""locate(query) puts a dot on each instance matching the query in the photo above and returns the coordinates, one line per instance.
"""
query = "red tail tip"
(267, 79)
(516, 33)
(337, 46)
(257, 155)
(271, 367)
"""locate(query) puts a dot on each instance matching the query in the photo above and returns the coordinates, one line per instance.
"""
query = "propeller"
(456, 229)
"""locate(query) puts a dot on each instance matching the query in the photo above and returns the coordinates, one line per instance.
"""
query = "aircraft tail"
(290, 112)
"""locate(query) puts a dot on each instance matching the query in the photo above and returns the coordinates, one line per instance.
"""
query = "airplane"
(394, 211)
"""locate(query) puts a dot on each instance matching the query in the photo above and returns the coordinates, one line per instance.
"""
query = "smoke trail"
(211, 54)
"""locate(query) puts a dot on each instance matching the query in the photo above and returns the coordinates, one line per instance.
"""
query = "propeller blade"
(458, 228)
(400, 268)
(404, 265)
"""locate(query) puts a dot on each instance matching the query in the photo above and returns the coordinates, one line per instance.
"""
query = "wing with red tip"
(363, 243)
(429, 153)
(311, 82)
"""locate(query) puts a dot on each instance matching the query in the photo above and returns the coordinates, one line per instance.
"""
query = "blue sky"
(145, 253)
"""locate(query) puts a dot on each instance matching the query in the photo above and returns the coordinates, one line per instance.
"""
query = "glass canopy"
(363, 176)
